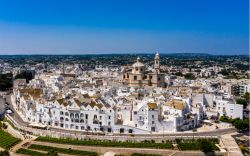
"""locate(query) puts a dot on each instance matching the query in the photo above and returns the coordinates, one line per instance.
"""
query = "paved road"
(231, 145)
(217, 132)
(15, 115)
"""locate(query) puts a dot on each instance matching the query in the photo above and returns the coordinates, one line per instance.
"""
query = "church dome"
(138, 64)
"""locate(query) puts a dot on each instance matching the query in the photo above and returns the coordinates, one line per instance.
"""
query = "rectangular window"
(153, 129)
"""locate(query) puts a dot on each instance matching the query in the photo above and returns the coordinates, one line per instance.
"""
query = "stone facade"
(139, 76)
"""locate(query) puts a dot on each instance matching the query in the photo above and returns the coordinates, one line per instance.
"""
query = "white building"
(229, 109)
(244, 88)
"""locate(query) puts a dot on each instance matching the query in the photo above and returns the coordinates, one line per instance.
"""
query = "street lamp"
(162, 131)
(194, 130)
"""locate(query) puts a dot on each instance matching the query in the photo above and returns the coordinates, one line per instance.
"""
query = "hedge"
(30, 152)
(145, 144)
(62, 150)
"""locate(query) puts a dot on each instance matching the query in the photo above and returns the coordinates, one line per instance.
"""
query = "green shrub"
(53, 150)
(4, 153)
(242, 125)
(30, 152)
(205, 145)
(52, 153)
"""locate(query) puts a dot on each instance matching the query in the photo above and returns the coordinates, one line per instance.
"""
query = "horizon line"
(129, 53)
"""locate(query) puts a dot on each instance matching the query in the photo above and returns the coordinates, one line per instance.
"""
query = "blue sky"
(124, 26)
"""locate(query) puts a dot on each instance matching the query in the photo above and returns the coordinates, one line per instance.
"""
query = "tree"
(5, 81)
(206, 146)
(239, 124)
(4, 153)
(25, 75)
(190, 76)
(242, 101)
(247, 96)
(246, 124)
(4, 126)
(224, 72)
(178, 74)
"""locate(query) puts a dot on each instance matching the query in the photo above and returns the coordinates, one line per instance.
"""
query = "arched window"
(76, 115)
(81, 115)
(61, 113)
(67, 114)
(71, 115)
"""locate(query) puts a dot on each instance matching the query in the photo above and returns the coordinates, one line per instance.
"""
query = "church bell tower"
(157, 63)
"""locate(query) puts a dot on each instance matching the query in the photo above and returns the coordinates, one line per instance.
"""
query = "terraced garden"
(205, 145)
(145, 144)
(7, 140)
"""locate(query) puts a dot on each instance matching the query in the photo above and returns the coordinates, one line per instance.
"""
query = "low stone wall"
(199, 153)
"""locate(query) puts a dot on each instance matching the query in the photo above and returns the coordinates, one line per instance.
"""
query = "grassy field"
(62, 150)
(145, 144)
(7, 140)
